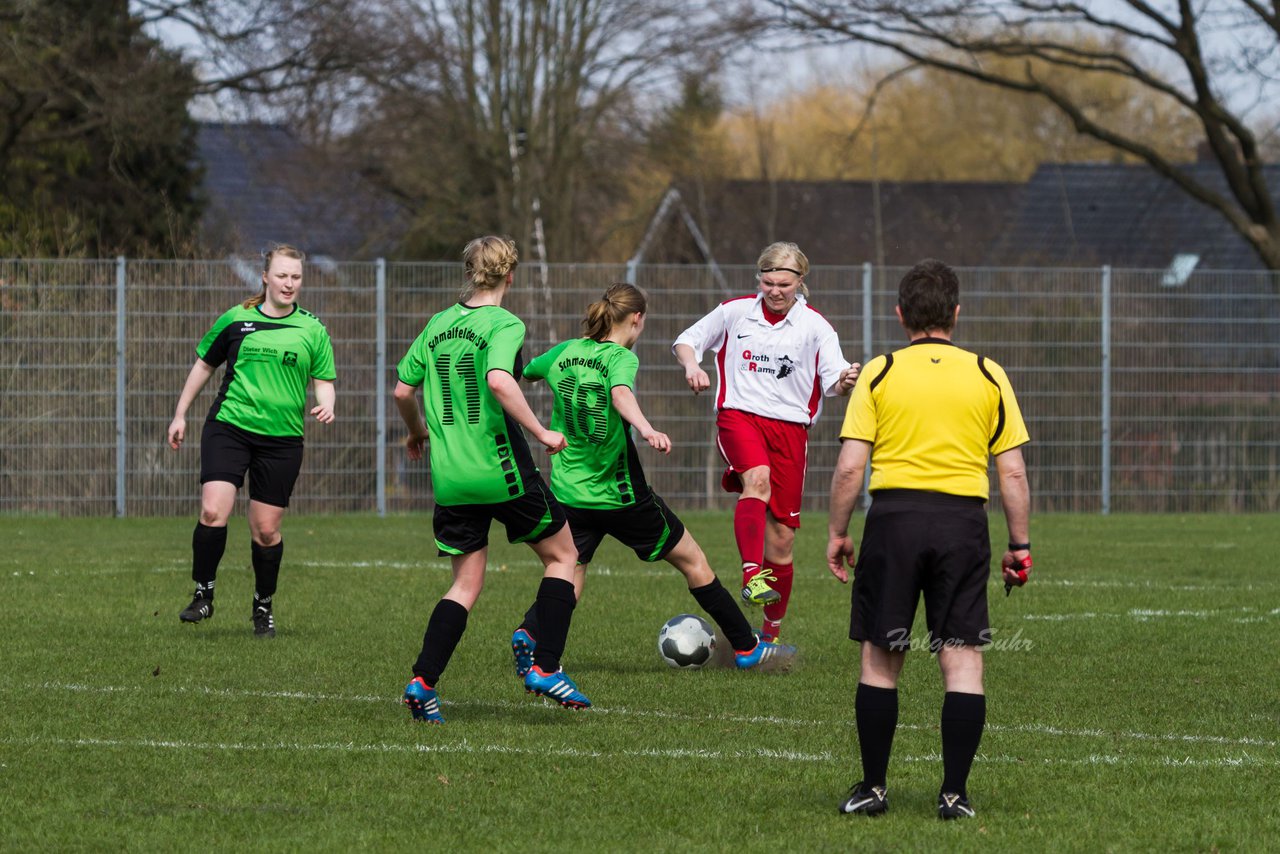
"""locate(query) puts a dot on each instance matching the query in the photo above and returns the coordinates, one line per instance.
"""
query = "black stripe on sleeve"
(982, 366)
(888, 363)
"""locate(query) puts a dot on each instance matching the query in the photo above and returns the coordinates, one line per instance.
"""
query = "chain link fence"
(1142, 392)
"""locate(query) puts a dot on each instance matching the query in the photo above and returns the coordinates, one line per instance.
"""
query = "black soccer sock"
(554, 607)
(876, 711)
(719, 603)
(266, 570)
(444, 629)
(207, 546)
(530, 621)
(963, 718)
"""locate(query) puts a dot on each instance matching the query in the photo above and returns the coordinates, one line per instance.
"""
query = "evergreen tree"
(95, 140)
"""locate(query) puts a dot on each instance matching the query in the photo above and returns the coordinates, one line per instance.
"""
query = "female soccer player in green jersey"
(599, 480)
(272, 348)
(466, 361)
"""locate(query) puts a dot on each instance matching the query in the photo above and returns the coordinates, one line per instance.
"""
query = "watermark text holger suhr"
(901, 640)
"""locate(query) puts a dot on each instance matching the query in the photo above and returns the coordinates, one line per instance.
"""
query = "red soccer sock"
(748, 530)
(770, 630)
(781, 582)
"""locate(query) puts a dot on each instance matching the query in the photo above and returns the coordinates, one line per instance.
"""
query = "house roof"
(835, 222)
(1089, 214)
(262, 186)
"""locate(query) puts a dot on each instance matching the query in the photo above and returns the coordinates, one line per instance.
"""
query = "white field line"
(660, 570)
(467, 747)
(621, 711)
(1244, 614)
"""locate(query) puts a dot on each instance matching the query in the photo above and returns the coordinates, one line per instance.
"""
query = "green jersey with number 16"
(599, 469)
(478, 453)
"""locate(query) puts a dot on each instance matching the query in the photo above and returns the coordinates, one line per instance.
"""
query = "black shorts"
(461, 529)
(273, 462)
(922, 542)
(648, 527)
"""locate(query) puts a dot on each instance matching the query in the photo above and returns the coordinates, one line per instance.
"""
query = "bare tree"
(534, 100)
(1218, 61)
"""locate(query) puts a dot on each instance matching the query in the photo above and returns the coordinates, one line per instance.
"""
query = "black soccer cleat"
(264, 623)
(201, 608)
(953, 806)
(865, 800)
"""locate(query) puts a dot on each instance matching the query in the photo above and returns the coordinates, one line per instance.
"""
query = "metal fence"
(1142, 391)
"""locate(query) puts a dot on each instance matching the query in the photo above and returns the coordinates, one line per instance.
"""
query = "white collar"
(756, 311)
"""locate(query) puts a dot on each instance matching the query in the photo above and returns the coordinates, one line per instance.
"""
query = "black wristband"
(1019, 547)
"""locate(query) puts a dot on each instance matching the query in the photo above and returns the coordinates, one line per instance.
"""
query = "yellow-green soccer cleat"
(757, 591)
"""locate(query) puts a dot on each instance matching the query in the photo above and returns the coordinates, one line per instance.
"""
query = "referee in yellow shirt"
(926, 417)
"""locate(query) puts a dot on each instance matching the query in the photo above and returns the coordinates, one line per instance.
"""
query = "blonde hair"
(784, 256)
(619, 301)
(284, 250)
(488, 260)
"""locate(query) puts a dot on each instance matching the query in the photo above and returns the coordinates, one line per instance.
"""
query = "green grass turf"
(1134, 704)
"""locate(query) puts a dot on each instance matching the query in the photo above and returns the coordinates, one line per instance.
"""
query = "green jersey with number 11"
(478, 453)
(599, 469)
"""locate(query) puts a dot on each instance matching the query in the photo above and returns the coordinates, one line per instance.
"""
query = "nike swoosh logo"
(748, 335)
(796, 513)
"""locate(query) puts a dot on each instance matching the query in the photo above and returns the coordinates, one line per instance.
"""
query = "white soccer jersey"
(778, 370)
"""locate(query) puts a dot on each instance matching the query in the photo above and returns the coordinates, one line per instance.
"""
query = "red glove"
(1015, 571)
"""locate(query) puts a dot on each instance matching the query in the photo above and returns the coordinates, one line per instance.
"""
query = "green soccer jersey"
(269, 360)
(478, 453)
(600, 468)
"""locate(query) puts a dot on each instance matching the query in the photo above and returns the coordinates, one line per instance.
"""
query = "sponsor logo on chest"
(779, 367)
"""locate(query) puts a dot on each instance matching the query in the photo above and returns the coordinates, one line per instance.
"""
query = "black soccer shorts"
(648, 527)
(273, 462)
(926, 543)
(464, 528)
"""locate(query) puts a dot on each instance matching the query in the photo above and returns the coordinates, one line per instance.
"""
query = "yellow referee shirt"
(933, 413)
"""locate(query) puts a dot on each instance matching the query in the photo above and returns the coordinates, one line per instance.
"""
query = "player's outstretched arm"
(326, 398)
(846, 486)
(504, 387)
(1015, 495)
(199, 375)
(624, 400)
(406, 397)
(693, 374)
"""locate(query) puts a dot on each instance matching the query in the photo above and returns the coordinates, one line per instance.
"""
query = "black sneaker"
(264, 623)
(951, 806)
(201, 608)
(865, 800)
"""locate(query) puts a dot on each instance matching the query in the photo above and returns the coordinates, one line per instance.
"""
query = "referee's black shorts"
(273, 462)
(918, 542)
(648, 527)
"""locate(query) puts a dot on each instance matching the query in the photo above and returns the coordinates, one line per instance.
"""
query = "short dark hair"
(928, 295)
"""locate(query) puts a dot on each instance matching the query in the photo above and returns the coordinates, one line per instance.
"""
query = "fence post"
(380, 384)
(1106, 390)
(121, 432)
(868, 324)
(868, 352)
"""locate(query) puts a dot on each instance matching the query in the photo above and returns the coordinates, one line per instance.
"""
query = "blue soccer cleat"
(522, 647)
(422, 701)
(775, 655)
(557, 686)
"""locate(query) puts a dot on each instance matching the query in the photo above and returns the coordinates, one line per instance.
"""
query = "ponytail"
(619, 301)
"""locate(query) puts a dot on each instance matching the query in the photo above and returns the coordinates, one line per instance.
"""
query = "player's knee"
(213, 517)
(755, 483)
(266, 537)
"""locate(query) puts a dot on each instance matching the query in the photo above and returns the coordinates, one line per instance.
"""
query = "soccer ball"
(686, 641)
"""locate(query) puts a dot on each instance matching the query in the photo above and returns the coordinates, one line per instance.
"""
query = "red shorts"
(747, 440)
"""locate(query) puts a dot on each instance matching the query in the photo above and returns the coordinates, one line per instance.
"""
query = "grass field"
(1133, 702)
